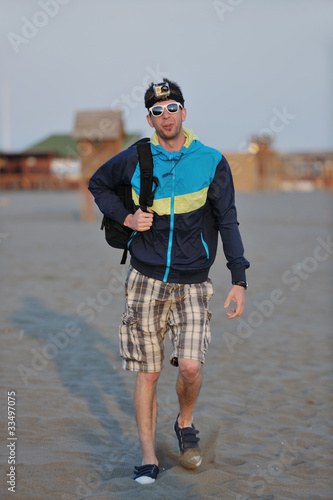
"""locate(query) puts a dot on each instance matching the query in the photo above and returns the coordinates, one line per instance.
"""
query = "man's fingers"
(232, 314)
(239, 301)
(238, 311)
(143, 220)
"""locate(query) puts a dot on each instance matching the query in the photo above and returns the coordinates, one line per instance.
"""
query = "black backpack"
(116, 234)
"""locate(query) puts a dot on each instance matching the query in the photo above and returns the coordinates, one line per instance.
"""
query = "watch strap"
(244, 284)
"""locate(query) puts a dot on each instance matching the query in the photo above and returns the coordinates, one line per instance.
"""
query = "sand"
(265, 408)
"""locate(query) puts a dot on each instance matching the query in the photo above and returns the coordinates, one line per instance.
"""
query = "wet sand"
(265, 408)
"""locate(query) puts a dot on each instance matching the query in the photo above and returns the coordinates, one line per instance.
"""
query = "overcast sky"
(245, 67)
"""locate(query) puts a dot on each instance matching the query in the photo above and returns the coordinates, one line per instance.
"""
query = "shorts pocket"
(130, 280)
(207, 333)
(129, 316)
(129, 342)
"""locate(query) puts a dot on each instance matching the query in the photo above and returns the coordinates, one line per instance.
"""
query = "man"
(172, 248)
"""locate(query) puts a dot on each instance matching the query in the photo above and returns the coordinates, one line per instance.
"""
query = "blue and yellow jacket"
(194, 201)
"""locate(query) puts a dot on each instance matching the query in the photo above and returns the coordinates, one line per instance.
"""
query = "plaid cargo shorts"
(153, 308)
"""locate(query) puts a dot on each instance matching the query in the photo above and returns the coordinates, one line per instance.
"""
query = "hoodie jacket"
(193, 203)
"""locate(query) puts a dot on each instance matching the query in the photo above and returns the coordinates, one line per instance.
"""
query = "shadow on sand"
(82, 357)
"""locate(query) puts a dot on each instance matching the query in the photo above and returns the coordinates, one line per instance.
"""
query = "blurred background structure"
(256, 75)
(100, 135)
(68, 161)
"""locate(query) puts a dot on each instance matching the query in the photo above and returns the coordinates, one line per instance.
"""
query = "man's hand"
(140, 221)
(237, 294)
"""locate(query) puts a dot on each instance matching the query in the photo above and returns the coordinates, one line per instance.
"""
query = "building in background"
(56, 161)
(100, 135)
(52, 163)
(262, 168)
(307, 171)
(66, 161)
(65, 164)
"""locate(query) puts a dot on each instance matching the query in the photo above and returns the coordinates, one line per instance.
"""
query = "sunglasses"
(172, 108)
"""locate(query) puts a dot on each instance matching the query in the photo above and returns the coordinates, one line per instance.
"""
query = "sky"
(245, 67)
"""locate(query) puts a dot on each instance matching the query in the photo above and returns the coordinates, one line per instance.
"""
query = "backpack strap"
(146, 176)
(146, 181)
(124, 257)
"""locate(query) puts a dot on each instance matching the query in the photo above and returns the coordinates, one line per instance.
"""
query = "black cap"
(175, 94)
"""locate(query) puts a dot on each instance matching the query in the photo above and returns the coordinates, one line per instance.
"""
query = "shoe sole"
(191, 459)
(145, 480)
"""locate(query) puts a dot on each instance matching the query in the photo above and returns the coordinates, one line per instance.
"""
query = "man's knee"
(148, 378)
(190, 369)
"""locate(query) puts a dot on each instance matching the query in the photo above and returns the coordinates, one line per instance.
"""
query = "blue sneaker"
(146, 474)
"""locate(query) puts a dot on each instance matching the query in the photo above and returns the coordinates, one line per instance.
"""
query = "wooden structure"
(307, 171)
(244, 171)
(22, 171)
(49, 164)
(258, 169)
(56, 161)
(262, 168)
(100, 135)
(268, 162)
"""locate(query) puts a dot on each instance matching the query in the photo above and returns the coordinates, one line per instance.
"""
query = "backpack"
(116, 234)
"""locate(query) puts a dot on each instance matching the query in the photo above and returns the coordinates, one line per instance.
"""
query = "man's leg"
(188, 387)
(145, 407)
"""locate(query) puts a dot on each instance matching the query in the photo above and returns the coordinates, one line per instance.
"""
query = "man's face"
(168, 126)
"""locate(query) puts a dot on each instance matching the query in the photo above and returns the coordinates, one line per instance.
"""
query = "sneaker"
(188, 446)
(146, 474)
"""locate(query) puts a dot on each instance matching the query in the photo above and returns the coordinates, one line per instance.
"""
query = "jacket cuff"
(238, 275)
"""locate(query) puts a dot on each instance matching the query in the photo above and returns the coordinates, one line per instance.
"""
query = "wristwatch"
(244, 284)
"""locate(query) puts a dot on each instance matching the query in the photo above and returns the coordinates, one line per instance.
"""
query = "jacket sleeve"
(102, 185)
(221, 195)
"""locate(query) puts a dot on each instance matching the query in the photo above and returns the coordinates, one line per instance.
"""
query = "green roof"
(65, 146)
(61, 144)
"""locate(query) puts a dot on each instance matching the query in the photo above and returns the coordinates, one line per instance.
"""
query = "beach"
(265, 407)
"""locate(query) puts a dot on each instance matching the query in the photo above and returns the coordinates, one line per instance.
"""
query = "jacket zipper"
(172, 222)
(205, 246)
(131, 238)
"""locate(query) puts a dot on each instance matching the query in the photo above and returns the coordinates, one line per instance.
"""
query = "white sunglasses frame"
(165, 106)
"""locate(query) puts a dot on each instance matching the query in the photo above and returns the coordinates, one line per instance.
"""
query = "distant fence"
(251, 172)
(37, 181)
